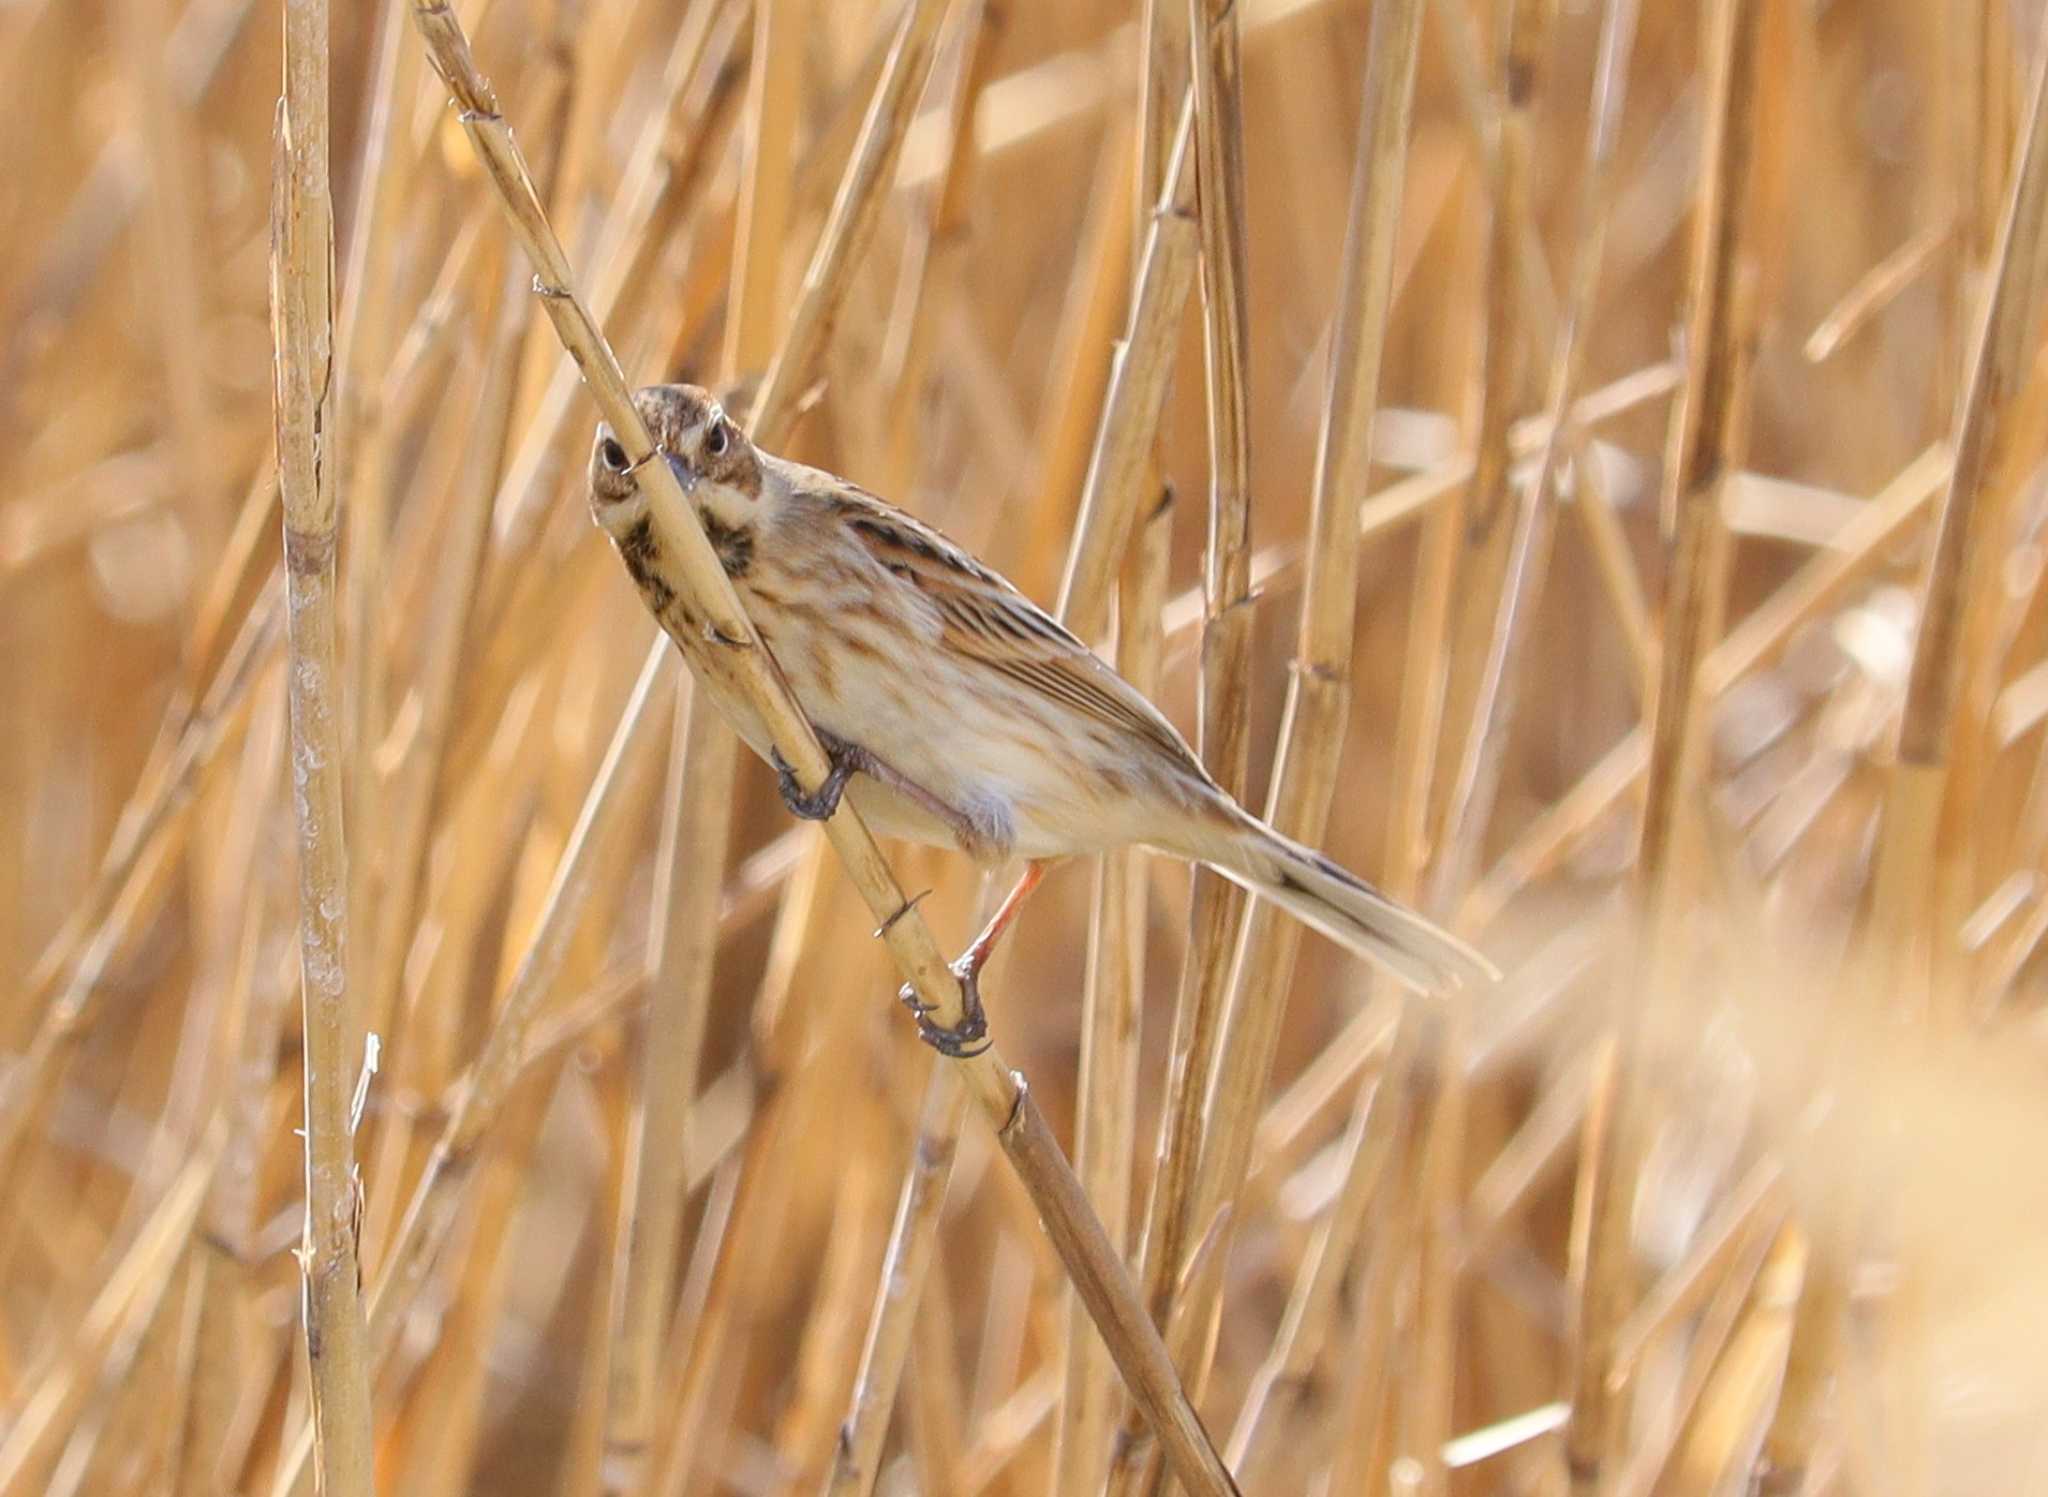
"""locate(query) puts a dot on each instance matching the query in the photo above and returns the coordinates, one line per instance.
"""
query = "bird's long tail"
(1331, 899)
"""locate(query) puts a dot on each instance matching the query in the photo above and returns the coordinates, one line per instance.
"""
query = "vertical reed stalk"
(1224, 740)
(1105, 1131)
(302, 266)
(1705, 430)
(696, 829)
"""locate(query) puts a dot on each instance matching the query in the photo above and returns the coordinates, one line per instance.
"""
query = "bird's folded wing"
(987, 619)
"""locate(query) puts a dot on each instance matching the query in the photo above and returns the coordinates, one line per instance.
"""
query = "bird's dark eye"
(612, 455)
(716, 440)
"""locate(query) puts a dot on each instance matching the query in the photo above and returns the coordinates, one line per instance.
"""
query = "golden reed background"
(1745, 1184)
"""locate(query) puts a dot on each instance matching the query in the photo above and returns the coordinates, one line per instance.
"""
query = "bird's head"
(717, 467)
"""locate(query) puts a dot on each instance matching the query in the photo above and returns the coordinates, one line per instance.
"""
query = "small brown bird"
(955, 710)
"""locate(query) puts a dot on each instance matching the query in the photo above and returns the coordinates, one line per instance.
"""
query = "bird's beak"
(685, 475)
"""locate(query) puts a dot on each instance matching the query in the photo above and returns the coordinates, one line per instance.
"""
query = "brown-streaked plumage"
(958, 712)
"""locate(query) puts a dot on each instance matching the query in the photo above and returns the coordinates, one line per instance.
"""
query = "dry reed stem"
(406, 799)
(302, 263)
(1506, 329)
(849, 227)
(892, 1321)
(121, 891)
(97, 213)
(1527, 1161)
(173, 153)
(428, 1217)
(1139, 372)
(1417, 739)
(1304, 780)
(1752, 1207)
(686, 928)
(364, 454)
(912, 1241)
(1882, 285)
(1311, 1306)
(937, 263)
(35, 1438)
(1726, 1421)
(169, 942)
(1972, 515)
(1078, 373)
(764, 209)
(746, 666)
(1370, 1383)
(1177, 1220)
(1520, 559)
(1105, 1128)
(1706, 434)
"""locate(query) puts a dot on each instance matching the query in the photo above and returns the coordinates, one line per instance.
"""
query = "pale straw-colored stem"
(1179, 1211)
(1105, 1132)
(302, 293)
(1706, 437)
(686, 921)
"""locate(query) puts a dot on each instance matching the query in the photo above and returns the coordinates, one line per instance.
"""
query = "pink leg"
(977, 955)
(961, 1040)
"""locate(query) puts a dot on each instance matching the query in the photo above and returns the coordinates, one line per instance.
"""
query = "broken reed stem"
(302, 296)
(1706, 434)
(733, 653)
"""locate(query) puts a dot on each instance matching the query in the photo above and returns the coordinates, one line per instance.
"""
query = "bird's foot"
(819, 804)
(959, 1041)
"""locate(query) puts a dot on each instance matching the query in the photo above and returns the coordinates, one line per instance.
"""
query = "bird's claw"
(960, 1041)
(814, 805)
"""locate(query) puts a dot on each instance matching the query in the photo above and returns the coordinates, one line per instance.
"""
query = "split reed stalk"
(302, 264)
